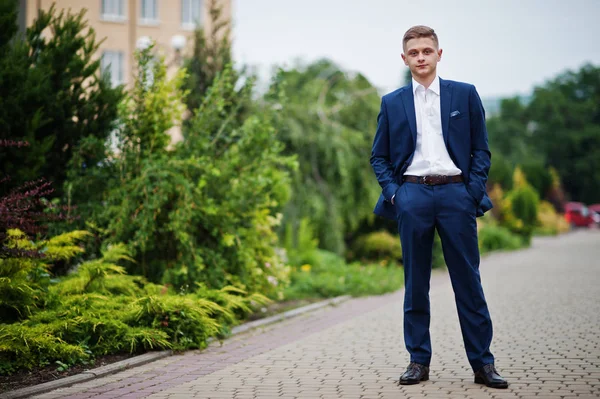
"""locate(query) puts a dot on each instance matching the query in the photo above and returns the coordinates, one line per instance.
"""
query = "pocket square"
(454, 113)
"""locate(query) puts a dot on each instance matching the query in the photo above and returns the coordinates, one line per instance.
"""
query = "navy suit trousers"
(451, 210)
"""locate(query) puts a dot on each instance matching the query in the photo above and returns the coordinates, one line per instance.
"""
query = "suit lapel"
(409, 107)
(445, 102)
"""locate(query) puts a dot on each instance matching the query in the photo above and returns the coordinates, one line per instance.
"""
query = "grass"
(331, 276)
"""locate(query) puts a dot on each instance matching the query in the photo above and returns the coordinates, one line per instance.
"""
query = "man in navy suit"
(431, 158)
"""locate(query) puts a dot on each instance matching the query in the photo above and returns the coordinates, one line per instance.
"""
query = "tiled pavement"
(545, 305)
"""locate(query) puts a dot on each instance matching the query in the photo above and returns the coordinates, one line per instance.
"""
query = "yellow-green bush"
(24, 280)
(520, 207)
(550, 222)
(379, 245)
(101, 310)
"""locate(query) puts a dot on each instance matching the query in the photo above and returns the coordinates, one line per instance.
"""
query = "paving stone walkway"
(544, 302)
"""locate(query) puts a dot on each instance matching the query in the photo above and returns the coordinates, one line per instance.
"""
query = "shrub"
(523, 203)
(205, 211)
(493, 238)
(550, 222)
(101, 310)
(520, 207)
(377, 246)
(24, 279)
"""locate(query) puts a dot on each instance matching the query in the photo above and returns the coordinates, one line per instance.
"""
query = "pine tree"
(53, 96)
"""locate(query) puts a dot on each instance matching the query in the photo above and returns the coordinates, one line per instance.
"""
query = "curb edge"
(153, 356)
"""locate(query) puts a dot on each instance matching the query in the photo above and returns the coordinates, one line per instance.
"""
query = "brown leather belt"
(432, 180)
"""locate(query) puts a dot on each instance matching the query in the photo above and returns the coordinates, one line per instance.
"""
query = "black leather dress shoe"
(414, 374)
(489, 376)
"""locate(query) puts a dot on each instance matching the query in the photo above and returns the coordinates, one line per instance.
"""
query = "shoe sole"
(413, 382)
(479, 380)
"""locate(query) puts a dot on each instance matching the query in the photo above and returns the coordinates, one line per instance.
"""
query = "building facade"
(127, 25)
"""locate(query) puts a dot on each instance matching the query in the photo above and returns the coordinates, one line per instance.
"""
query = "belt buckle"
(425, 181)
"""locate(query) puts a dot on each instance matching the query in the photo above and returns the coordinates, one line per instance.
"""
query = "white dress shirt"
(431, 155)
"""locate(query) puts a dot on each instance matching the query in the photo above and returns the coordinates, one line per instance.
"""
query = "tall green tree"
(328, 122)
(52, 95)
(566, 117)
(559, 128)
(508, 132)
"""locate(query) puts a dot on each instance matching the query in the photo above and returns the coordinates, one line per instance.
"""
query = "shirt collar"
(434, 86)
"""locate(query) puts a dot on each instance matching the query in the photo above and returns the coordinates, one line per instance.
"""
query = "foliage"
(520, 212)
(510, 135)
(24, 215)
(328, 121)
(566, 112)
(538, 176)
(205, 211)
(560, 128)
(22, 278)
(210, 56)
(138, 193)
(300, 244)
(496, 194)
(556, 194)
(379, 245)
(524, 203)
(549, 221)
(501, 172)
(53, 97)
(331, 277)
(493, 237)
(101, 310)
(23, 208)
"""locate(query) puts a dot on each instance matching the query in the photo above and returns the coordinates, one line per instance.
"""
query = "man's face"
(421, 55)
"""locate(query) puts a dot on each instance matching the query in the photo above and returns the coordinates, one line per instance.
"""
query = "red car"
(578, 215)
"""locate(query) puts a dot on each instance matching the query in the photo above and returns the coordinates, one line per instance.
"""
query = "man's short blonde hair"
(420, 31)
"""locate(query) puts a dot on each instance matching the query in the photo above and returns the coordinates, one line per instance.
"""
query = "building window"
(190, 13)
(113, 10)
(149, 11)
(113, 63)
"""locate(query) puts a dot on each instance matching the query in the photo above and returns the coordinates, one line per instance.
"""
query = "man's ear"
(440, 54)
(404, 59)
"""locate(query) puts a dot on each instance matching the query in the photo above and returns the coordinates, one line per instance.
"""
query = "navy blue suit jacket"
(464, 133)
